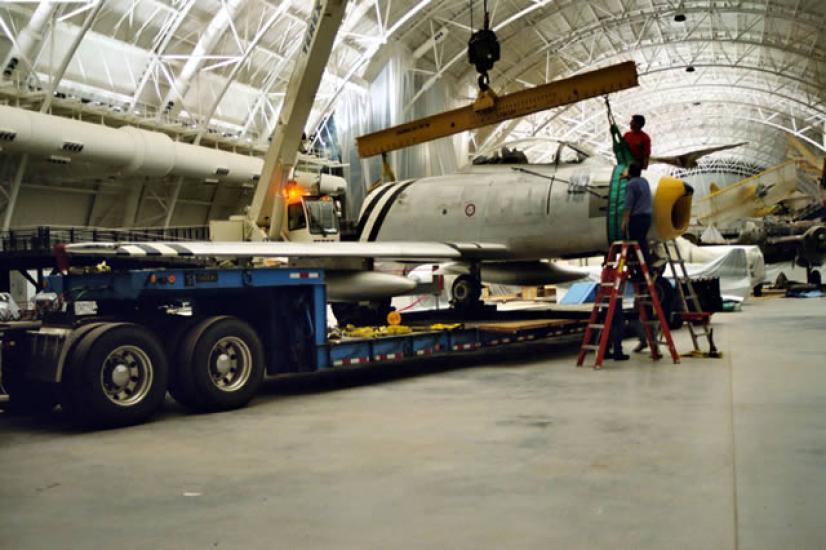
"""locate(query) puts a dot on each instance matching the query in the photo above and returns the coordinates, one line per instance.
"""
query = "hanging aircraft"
(496, 221)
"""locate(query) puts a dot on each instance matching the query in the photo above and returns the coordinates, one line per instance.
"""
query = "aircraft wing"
(689, 160)
(402, 251)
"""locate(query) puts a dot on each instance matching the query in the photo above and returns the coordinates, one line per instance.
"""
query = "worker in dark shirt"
(638, 141)
(636, 221)
(617, 327)
(636, 217)
(616, 334)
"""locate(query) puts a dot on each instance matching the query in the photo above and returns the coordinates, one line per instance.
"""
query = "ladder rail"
(658, 309)
(681, 278)
(617, 268)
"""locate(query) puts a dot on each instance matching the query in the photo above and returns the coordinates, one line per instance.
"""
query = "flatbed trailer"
(209, 336)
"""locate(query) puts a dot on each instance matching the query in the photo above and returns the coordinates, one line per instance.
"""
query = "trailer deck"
(210, 335)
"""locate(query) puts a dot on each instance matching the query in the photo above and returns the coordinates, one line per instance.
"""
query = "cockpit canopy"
(535, 151)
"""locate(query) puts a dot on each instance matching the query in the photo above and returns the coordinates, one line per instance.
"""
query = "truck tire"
(174, 339)
(220, 365)
(115, 376)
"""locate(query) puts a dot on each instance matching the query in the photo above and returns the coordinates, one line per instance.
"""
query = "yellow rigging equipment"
(491, 109)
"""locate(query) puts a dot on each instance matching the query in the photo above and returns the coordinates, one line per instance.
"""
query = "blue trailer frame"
(284, 308)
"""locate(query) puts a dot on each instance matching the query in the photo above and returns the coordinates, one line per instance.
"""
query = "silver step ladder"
(697, 320)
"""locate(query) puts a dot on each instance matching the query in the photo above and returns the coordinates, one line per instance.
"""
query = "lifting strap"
(616, 193)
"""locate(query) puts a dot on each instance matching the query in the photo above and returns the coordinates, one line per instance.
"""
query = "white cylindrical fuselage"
(563, 214)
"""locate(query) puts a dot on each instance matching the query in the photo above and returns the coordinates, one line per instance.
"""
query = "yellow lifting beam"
(490, 109)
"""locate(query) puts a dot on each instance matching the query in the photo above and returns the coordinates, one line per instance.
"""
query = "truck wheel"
(116, 376)
(221, 365)
(174, 341)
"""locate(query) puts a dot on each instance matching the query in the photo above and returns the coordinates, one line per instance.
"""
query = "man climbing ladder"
(622, 257)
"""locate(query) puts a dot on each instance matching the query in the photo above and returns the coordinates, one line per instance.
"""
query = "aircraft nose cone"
(672, 208)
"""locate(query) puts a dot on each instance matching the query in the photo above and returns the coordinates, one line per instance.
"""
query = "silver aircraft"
(498, 220)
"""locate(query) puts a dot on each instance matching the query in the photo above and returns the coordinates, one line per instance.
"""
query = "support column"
(173, 201)
(133, 202)
(15, 191)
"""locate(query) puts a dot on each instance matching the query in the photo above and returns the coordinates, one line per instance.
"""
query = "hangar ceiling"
(712, 72)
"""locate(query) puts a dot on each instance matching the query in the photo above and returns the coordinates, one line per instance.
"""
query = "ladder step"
(597, 325)
(652, 322)
(590, 347)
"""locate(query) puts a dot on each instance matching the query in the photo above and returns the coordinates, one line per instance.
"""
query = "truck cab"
(312, 218)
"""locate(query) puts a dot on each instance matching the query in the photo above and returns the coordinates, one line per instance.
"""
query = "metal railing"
(44, 238)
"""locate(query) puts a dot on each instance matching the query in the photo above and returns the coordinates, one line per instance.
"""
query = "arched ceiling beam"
(206, 43)
(161, 43)
(500, 134)
(25, 45)
(662, 99)
(626, 21)
(737, 122)
(230, 78)
(768, 115)
(463, 53)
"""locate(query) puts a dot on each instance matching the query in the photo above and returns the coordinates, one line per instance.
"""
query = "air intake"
(222, 171)
(72, 147)
(55, 159)
(7, 135)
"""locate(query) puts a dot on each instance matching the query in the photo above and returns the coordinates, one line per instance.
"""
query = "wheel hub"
(230, 363)
(223, 363)
(120, 375)
(126, 375)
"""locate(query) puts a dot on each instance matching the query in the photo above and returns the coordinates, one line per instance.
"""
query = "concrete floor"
(495, 452)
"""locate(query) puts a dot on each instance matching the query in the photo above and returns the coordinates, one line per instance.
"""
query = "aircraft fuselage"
(563, 214)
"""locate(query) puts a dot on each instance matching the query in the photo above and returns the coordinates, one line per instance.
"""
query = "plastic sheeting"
(385, 105)
(739, 267)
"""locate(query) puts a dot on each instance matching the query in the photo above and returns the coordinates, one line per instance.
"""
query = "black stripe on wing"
(149, 249)
(180, 249)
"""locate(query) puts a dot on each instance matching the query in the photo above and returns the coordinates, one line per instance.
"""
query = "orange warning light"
(293, 191)
(394, 318)
(171, 279)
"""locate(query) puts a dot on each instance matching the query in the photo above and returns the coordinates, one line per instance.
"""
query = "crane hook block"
(483, 50)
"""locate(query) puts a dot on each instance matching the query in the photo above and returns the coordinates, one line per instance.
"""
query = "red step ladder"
(623, 258)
